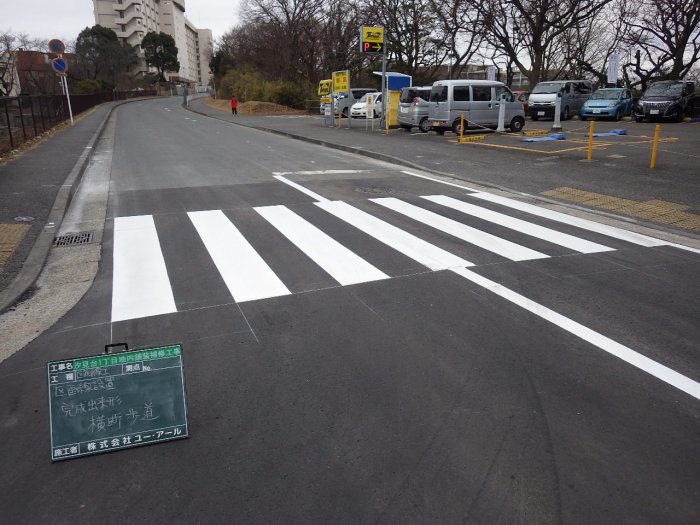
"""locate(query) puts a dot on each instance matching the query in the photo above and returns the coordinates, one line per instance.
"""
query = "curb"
(402, 162)
(31, 269)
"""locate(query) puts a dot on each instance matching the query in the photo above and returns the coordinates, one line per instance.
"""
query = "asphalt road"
(357, 353)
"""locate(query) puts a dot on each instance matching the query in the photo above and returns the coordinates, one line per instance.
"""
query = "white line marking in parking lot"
(294, 185)
(628, 355)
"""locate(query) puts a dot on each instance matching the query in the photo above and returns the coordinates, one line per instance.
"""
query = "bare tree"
(529, 32)
(666, 37)
(459, 21)
(10, 44)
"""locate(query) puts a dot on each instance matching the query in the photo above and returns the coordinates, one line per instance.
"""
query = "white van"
(477, 100)
(574, 94)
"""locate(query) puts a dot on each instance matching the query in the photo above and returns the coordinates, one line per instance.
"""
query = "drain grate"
(71, 239)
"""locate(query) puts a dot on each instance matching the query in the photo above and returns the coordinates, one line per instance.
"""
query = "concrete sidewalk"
(619, 175)
(35, 190)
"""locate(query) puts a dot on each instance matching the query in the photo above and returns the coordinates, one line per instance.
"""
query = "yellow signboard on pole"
(371, 39)
(341, 81)
(325, 87)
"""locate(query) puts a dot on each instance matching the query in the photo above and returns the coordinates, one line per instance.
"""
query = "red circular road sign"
(56, 46)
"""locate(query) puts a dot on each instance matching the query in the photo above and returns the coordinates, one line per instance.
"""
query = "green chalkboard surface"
(115, 401)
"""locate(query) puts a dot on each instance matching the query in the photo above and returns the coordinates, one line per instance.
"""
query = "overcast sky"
(65, 19)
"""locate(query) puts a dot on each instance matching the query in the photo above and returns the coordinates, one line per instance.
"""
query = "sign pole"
(70, 109)
(384, 104)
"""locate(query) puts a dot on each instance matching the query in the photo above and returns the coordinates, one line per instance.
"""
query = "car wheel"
(618, 114)
(457, 127)
(345, 113)
(517, 124)
(565, 113)
(638, 119)
(424, 125)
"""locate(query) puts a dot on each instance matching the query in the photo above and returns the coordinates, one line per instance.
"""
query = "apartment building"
(132, 19)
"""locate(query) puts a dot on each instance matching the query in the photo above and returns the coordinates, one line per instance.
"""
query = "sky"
(65, 19)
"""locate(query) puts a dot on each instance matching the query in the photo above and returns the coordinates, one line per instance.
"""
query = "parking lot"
(617, 180)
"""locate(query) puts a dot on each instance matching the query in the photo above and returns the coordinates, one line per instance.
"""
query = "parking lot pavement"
(619, 168)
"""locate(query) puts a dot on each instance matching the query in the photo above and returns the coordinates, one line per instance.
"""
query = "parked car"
(414, 108)
(359, 108)
(607, 103)
(666, 99)
(342, 101)
(574, 94)
(478, 101)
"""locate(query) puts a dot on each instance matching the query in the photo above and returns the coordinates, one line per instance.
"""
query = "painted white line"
(628, 355)
(320, 172)
(460, 186)
(343, 265)
(294, 185)
(610, 231)
(528, 228)
(484, 240)
(411, 246)
(140, 283)
(246, 274)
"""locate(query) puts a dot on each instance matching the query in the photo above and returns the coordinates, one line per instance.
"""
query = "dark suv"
(666, 99)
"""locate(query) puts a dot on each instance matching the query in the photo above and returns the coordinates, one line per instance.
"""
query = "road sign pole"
(384, 104)
(70, 110)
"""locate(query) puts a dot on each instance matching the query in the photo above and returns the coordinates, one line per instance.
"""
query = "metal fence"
(23, 118)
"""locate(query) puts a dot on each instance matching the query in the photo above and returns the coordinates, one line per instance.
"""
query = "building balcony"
(125, 5)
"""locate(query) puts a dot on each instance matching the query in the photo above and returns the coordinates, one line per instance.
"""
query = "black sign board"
(115, 401)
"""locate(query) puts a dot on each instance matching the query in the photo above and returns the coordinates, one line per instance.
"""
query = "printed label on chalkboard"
(110, 402)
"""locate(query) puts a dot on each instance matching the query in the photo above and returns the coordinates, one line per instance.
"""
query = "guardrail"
(25, 117)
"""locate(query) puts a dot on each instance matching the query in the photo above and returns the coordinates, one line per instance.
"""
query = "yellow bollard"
(657, 130)
(591, 127)
(461, 127)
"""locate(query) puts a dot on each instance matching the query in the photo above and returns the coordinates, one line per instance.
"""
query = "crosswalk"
(142, 284)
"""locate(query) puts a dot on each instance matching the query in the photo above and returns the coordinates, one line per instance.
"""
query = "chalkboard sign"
(115, 401)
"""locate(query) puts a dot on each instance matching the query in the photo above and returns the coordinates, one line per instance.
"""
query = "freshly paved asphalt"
(421, 398)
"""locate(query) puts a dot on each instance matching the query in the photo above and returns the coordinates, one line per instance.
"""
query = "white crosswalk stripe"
(528, 228)
(484, 240)
(142, 287)
(342, 264)
(246, 274)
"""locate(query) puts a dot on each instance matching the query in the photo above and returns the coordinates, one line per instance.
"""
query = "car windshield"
(664, 90)
(606, 94)
(438, 94)
(407, 95)
(548, 87)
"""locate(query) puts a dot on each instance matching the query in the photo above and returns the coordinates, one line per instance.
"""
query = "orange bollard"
(655, 146)
(591, 127)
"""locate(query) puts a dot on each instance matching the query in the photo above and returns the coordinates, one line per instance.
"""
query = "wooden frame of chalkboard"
(115, 401)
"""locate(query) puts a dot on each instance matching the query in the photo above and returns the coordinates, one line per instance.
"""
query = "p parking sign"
(372, 40)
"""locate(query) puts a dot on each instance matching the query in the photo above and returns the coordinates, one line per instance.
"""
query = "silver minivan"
(478, 101)
(414, 108)
(574, 94)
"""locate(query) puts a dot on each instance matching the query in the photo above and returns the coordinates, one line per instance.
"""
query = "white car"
(359, 109)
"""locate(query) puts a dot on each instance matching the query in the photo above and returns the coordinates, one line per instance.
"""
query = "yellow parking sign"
(325, 87)
(371, 39)
(341, 81)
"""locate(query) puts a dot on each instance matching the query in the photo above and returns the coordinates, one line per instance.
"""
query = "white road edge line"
(606, 344)
(294, 185)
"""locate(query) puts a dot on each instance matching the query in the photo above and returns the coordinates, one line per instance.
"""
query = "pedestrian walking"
(234, 105)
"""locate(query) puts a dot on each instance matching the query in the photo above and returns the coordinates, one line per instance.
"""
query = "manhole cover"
(24, 218)
(73, 238)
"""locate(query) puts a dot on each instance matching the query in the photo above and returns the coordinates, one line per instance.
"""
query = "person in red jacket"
(234, 105)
